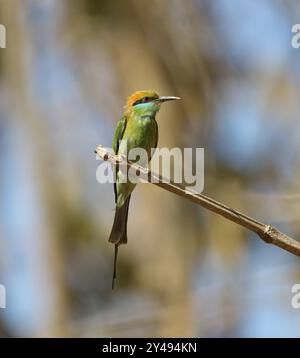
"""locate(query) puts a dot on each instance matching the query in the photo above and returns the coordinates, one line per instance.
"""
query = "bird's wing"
(119, 134)
(156, 135)
(116, 142)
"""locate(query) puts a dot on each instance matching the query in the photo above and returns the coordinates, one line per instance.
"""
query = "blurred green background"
(64, 77)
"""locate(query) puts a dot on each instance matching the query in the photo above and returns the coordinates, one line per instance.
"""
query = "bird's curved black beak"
(167, 98)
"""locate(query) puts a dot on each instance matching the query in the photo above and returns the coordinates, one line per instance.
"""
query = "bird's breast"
(141, 132)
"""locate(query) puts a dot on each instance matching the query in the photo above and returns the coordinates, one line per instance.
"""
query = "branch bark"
(266, 232)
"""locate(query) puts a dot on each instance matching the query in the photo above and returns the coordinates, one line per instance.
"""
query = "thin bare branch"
(268, 233)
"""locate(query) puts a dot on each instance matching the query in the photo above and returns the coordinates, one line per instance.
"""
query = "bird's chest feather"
(141, 132)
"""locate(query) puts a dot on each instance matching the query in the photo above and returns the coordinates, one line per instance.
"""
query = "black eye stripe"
(144, 100)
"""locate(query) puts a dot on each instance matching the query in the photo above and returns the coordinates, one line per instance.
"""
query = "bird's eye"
(144, 100)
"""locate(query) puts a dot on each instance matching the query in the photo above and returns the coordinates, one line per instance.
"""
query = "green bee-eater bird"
(136, 129)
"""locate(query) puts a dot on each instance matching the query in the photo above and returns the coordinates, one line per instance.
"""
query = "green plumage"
(137, 132)
(136, 129)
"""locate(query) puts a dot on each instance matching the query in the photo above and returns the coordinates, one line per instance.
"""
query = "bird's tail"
(118, 235)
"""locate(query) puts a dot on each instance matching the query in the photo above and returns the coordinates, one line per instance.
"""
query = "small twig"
(268, 233)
